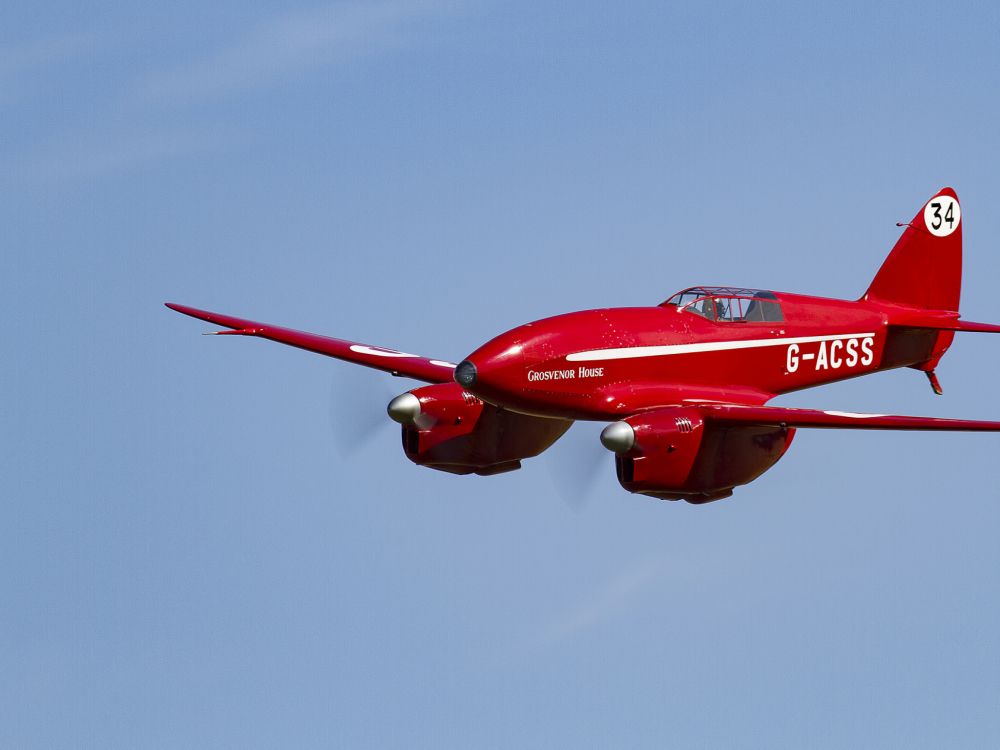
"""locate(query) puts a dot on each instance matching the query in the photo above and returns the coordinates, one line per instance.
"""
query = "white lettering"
(867, 355)
(792, 358)
(581, 372)
(821, 357)
(840, 353)
(852, 352)
(835, 360)
(534, 375)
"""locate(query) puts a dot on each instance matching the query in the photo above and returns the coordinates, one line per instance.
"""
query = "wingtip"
(218, 319)
(185, 310)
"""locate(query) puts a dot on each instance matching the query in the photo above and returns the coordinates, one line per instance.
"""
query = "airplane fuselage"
(600, 364)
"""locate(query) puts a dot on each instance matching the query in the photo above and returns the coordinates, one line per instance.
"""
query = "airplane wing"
(376, 357)
(732, 414)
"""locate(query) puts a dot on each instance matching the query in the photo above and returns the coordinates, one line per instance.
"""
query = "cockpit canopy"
(727, 304)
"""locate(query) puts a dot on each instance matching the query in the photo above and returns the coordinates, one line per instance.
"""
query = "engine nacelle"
(674, 455)
(447, 428)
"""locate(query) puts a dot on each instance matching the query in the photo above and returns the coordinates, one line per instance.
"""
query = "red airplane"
(684, 384)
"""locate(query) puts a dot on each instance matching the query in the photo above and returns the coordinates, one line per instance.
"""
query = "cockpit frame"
(725, 304)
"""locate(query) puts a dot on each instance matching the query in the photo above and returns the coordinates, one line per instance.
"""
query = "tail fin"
(924, 269)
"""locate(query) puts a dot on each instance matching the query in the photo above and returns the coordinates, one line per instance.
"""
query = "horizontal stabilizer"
(935, 320)
(960, 325)
(731, 414)
(377, 357)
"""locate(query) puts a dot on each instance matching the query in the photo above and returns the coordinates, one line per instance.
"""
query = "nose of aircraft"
(404, 409)
(465, 374)
(493, 369)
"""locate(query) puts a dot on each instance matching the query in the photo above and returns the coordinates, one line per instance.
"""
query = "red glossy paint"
(461, 434)
(679, 454)
(689, 377)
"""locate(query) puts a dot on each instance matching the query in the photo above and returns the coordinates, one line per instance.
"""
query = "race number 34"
(942, 215)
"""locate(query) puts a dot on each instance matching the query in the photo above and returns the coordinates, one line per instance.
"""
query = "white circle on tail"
(942, 215)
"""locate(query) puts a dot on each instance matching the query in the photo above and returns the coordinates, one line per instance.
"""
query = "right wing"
(388, 360)
(778, 416)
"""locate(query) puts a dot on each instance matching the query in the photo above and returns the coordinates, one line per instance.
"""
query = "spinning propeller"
(357, 408)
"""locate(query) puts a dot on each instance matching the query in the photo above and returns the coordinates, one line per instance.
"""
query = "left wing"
(732, 414)
(377, 357)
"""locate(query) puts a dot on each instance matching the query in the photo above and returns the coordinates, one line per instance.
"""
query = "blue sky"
(189, 558)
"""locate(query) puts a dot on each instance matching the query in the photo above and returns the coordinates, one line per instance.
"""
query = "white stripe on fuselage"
(633, 352)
